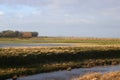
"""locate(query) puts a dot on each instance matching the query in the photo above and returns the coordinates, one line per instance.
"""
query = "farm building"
(26, 34)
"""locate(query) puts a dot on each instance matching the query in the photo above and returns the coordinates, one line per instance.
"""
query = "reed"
(99, 76)
(26, 61)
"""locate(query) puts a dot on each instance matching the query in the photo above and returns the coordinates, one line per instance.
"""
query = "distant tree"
(8, 33)
(18, 34)
(34, 34)
(0, 34)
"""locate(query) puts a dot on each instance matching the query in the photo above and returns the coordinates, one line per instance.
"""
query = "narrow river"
(68, 75)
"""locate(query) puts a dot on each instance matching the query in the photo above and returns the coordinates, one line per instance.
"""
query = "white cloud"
(79, 21)
(1, 13)
(111, 11)
(37, 12)
(19, 15)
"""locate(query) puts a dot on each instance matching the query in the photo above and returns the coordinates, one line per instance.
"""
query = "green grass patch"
(104, 41)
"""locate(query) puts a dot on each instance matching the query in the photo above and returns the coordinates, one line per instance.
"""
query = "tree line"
(19, 34)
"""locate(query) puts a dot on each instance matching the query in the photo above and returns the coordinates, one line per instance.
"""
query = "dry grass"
(62, 40)
(99, 76)
(24, 60)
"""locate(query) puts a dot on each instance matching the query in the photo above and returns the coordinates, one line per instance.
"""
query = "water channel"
(68, 75)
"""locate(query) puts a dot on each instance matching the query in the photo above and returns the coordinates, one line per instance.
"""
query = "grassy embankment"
(26, 61)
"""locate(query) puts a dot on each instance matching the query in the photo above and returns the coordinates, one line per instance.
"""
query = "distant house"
(26, 34)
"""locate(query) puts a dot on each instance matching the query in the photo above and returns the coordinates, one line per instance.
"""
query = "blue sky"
(82, 18)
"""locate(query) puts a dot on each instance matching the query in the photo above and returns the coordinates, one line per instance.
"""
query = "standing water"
(68, 75)
(33, 45)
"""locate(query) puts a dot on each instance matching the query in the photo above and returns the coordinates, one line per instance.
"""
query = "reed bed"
(31, 60)
(99, 76)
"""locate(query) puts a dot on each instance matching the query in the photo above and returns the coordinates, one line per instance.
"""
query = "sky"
(79, 18)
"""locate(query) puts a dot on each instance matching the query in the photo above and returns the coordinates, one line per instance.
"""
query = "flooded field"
(32, 45)
(68, 75)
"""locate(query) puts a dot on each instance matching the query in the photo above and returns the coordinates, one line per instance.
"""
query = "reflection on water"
(67, 75)
(27, 45)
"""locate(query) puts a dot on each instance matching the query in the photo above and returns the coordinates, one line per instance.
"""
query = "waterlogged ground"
(32, 45)
(68, 75)
(6, 45)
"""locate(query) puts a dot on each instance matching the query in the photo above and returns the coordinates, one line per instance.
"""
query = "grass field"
(31, 60)
(61, 40)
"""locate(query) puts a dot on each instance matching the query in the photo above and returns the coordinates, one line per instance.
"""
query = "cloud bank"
(81, 16)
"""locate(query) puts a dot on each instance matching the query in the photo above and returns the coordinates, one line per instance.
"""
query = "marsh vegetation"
(99, 76)
(22, 61)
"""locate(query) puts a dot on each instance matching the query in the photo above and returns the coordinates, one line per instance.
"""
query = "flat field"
(103, 41)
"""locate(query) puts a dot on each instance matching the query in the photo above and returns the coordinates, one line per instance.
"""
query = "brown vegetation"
(43, 59)
(99, 76)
